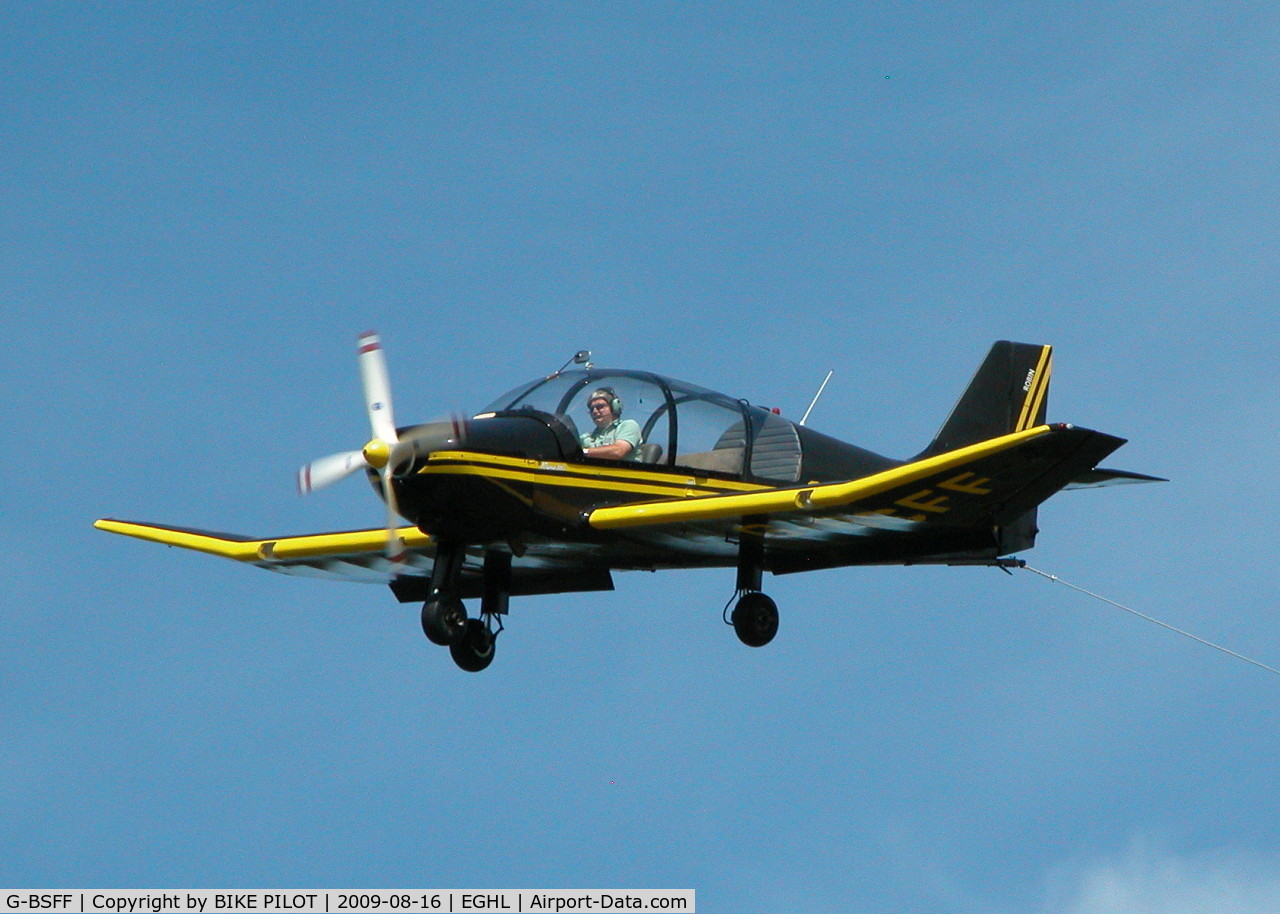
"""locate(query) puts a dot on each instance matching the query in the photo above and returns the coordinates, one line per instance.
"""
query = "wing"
(353, 555)
(360, 555)
(941, 507)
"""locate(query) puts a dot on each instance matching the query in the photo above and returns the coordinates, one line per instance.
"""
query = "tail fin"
(1009, 393)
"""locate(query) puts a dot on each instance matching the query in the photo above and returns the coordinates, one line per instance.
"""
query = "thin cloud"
(1149, 879)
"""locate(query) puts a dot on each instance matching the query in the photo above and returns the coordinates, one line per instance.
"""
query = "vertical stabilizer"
(1009, 393)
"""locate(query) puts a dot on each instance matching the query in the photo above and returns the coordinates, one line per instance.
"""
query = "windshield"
(682, 425)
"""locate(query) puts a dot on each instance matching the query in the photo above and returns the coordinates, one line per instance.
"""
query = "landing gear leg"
(497, 583)
(444, 617)
(750, 561)
(473, 651)
(755, 616)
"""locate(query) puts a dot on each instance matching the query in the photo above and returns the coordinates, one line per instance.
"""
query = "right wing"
(353, 555)
(360, 555)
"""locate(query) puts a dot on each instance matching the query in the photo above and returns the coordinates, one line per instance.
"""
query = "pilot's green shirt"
(618, 430)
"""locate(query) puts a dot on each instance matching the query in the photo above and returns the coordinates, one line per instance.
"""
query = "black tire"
(755, 619)
(444, 621)
(474, 650)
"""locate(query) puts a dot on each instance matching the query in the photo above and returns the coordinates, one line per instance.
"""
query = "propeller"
(322, 473)
(380, 454)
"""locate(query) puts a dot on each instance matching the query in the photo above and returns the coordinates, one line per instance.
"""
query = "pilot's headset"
(611, 397)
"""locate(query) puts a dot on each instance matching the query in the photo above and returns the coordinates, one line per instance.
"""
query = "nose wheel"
(444, 616)
(755, 619)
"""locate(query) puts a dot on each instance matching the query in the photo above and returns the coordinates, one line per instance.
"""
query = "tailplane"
(1009, 393)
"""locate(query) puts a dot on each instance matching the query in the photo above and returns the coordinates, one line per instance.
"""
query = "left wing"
(906, 511)
(994, 473)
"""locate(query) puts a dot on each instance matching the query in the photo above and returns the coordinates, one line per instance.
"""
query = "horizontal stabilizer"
(1101, 476)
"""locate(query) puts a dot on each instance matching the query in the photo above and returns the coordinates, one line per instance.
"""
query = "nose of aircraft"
(377, 453)
(418, 443)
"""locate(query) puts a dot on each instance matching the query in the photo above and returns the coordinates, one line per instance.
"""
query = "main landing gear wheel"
(444, 620)
(474, 650)
(755, 619)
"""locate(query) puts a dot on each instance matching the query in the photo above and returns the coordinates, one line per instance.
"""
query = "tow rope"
(1148, 618)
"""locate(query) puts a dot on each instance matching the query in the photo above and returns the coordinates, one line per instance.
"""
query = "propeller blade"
(461, 429)
(396, 549)
(377, 387)
(319, 474)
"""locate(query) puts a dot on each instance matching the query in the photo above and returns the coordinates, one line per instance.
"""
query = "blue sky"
(205, 204)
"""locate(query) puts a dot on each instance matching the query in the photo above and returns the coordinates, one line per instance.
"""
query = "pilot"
(613, 438)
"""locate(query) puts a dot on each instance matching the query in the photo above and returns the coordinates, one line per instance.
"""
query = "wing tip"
(239, 548)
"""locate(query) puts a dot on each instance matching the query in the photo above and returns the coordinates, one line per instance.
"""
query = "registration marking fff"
(926, 501)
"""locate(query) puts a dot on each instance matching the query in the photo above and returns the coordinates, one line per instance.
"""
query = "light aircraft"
(508, 502)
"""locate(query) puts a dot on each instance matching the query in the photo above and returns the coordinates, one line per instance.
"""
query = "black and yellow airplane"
(509, 502)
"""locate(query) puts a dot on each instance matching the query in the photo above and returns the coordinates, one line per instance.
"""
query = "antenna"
(805, 418)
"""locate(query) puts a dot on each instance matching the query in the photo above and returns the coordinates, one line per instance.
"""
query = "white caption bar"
(332, 901)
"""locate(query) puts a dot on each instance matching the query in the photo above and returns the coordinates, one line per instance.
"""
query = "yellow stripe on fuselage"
(633, 481)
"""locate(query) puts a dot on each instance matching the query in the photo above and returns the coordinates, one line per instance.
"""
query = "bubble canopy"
(682, 424)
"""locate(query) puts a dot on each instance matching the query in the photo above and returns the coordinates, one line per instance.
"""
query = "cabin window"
(710, 434)
(682, 425)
